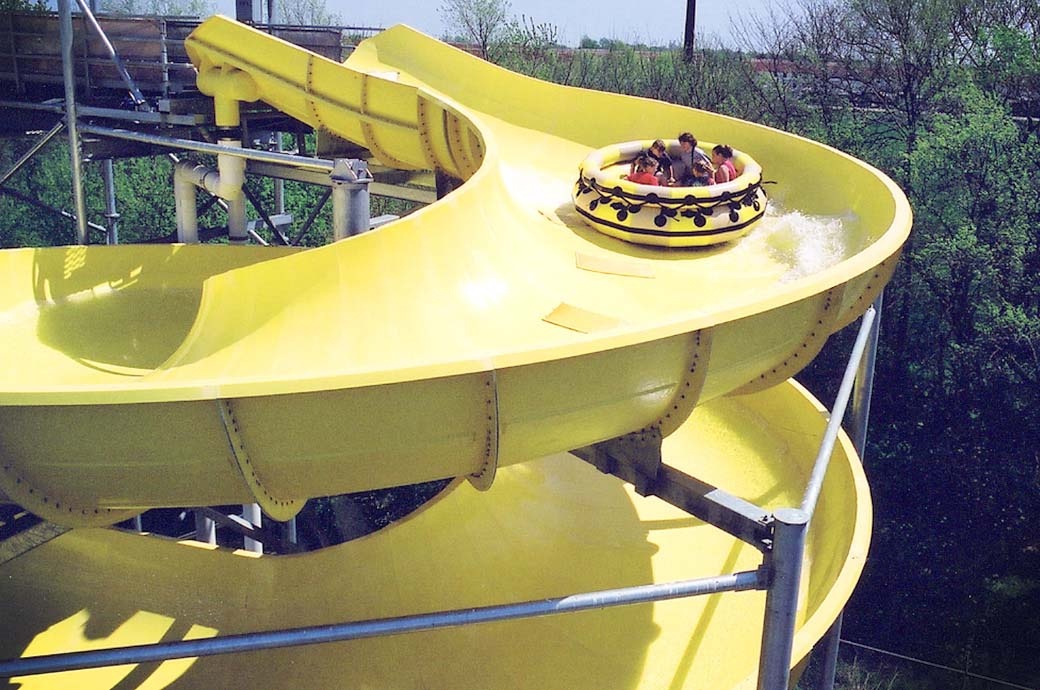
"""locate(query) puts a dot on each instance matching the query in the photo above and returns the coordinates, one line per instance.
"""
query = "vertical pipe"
(251, 513)
(290, 528)
(232, 177)
(238, 232)
(279, 184)
(111, 215)
(205, 529)
(184, 205)
(75, 161)
(859, 418)
(164, 58)
(789, 529)
(350, 199)
(138, 524)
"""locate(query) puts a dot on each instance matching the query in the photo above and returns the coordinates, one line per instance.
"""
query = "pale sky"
(658, 23)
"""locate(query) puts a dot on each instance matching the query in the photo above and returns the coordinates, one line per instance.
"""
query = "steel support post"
(251, 513)
(858, 422)
(205, 528)
(279, 185)
(785, 564)
(75, 158)
(350, 210)
(111, 215)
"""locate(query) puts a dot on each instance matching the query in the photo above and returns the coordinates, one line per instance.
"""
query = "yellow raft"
(666, 216)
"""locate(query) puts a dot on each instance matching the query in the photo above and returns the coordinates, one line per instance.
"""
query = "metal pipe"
(185, 179)
(859, 417)
(774, 667)
(350, 198)
(279, 185)
(830, 437)
(27, 156)
(831, 641)
(111, 215)
(864, 388)
(322, 164)
(69, 77)
(50, 209)
(251, 514)
(139, 99)
(238, 231)
(205, 528)
(229, 644)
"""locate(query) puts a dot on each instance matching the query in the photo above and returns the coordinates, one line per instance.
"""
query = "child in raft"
(701, 175)
(722, 159)
(664, 162)
(682, 167)
(644, 171)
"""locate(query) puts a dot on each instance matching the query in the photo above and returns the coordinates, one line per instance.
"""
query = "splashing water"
(805, 243)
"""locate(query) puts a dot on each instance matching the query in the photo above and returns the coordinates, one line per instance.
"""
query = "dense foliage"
(944, 97)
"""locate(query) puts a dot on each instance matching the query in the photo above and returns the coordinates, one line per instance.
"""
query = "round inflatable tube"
(666, 216)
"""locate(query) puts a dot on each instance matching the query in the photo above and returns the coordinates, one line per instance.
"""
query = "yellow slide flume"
(488, 329)
(546, 528)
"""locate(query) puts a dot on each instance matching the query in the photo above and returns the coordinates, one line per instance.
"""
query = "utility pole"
(691, 22)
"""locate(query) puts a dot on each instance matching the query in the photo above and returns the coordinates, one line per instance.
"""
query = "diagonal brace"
(636, 459)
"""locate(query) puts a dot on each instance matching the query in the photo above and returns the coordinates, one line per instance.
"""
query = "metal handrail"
(319, 634)
(841, 401)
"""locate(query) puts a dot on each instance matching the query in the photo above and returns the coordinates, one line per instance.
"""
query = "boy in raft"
(664, 162)
(722, 159)
(682, 167)
(644, 171)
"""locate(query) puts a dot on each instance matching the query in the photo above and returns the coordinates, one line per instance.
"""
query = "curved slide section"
(546, 528)
(488, 329)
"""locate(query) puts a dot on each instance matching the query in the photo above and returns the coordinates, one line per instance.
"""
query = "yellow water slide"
(547, 528)
(467, 340)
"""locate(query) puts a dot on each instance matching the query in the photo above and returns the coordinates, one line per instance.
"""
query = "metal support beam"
(636, 459)
(216, 149)
(350, 200)
(785, 566)
(841, 401)
(135, 93)
(859, 418)
(275, 639)
(305, 228)
(111, 215)
(266, 218)
(33, 150)
(75, 162)
(205, 528)
(251, 514)
(50, 209)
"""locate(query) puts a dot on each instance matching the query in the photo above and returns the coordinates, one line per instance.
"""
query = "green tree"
(166, 8)
(483, 22)
(307, 13)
